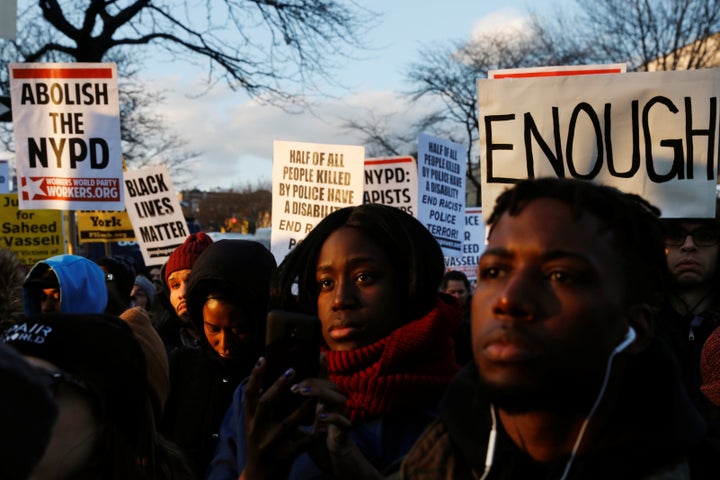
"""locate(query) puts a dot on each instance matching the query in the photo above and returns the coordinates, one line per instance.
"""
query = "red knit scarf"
(409, 368)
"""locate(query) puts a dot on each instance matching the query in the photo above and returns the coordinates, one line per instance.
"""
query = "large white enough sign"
(654, 134)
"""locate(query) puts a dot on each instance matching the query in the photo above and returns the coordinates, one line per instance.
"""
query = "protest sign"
(441, 190)
(311, 180)
(104, 226)
(155, 213)
(473, 245)
(653, 134)
(33, 235)
(392, 181)
(4, 177)
(66, 123)
(556, 71)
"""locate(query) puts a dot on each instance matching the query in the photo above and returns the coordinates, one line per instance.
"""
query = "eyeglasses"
(702, 236)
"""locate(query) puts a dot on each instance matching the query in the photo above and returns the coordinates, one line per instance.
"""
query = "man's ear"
(640, 318)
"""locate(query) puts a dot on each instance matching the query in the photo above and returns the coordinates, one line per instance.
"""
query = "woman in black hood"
(227, 297)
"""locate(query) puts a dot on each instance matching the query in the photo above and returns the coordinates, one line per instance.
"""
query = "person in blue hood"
(65, 284)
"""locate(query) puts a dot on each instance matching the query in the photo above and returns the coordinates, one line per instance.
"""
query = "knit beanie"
(143, 282)
(97, 349)
(27, 415)
(184, 256)
(158, 370)
(710, 367)
(123, 272)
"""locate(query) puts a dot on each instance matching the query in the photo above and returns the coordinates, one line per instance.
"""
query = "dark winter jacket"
(202, 387)
(686, 335)
(384, 438)
(202, 382)
(651, 432)
(11, 292)
(384, 441)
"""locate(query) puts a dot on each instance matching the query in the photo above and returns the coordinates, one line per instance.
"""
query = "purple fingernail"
(289, 373)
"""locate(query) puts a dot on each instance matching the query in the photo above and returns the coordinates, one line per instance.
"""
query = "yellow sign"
(33, 235)
(104, 226)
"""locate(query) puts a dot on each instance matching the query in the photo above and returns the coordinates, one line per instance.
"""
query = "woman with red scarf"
(371, 274)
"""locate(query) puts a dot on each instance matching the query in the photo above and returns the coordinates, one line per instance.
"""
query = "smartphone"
(292, 340)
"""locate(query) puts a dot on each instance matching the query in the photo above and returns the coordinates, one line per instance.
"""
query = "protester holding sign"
(371, 274)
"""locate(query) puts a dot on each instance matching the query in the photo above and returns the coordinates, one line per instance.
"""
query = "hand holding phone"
(292, 341)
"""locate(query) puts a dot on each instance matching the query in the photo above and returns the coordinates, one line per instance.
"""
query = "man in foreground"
(568, 381)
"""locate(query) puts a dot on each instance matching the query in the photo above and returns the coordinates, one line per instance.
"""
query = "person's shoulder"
(432, 456)
(703, 459)
(184, 356)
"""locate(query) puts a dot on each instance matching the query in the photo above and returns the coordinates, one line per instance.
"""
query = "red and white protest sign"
(392, 181)
(66, 121)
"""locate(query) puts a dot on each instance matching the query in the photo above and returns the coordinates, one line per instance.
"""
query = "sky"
(234, 135)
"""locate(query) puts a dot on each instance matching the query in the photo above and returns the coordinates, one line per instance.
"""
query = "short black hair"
(416, 256)
(634, 223)
(454, 275)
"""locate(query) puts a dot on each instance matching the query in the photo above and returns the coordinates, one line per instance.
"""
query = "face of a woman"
(358, 294)
(75, 433)
(226, 327)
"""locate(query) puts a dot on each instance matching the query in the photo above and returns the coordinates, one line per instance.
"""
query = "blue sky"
(235, 134)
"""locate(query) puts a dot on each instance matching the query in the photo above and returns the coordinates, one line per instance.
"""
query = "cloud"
(507, 20)
(234, 134)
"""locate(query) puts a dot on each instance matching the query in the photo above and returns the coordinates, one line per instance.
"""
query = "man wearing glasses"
(692, 306)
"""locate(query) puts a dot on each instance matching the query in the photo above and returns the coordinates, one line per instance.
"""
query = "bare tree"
(146, 138)
(380, 137)
(273, 50)
(648, 34)
(448, 75)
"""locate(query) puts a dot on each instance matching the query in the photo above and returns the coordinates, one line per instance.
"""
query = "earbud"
(630, 337)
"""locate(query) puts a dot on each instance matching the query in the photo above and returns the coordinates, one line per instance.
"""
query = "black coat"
(202, 388)
(652, 428)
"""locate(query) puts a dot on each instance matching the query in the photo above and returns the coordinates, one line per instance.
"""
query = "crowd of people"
(588, 347)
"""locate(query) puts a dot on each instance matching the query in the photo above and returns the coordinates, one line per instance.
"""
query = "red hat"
(710, 367)
(184, 256)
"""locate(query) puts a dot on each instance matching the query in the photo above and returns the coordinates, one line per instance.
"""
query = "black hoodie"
(202, 382)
